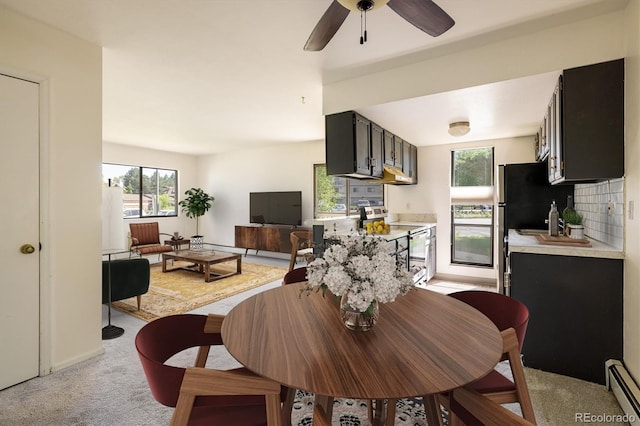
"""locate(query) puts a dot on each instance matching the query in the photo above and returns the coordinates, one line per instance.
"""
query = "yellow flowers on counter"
(377, 227)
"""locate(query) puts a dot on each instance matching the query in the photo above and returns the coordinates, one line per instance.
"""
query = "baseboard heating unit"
(625, 389)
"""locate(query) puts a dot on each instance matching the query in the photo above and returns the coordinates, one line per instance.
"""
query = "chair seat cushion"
(247, 415)
(492, 382)
(159, 248)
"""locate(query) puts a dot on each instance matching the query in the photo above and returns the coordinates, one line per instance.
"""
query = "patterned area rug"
(353, 412)
(181, 291)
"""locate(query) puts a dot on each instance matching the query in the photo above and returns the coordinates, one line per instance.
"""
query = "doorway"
(20, 216)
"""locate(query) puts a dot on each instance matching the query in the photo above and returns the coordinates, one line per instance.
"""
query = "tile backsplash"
(602, 205)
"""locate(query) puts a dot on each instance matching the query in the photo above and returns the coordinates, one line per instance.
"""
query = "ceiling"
(208, 76)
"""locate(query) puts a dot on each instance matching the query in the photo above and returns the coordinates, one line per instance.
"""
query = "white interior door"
(19, 216)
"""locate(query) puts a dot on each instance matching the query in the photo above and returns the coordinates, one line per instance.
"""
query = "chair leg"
(517, 370)
(521, 388)
(287, 407)
(183, 410)
(139, 298)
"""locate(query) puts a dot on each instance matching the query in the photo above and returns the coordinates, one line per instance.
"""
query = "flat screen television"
(276, 208)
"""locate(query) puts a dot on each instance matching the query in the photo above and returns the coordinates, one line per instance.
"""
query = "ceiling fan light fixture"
(358, 5)
(459, 128)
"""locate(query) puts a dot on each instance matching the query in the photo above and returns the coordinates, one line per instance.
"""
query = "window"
(472, 206)
(147, 192)
(339, 197)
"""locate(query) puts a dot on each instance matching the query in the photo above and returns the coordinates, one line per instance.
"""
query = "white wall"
(502, 58)
(632, 190)
(187, 178)
(71, 70)
(431, 194)
(231, 176)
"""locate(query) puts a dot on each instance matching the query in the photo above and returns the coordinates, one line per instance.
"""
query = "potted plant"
(195, 205)
(573, 224)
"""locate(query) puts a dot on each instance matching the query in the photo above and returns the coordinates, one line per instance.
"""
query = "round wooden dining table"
(424, 343)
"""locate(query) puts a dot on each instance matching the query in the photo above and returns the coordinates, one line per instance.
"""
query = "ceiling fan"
(423, 14)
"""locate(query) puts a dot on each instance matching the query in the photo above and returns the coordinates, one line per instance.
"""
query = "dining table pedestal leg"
(432, 410)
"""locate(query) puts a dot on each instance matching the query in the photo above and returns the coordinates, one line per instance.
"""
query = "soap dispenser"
(553, 220)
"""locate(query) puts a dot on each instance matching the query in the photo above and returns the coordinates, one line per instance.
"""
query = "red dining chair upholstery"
(203, 396)
(474, 408)
(295, 276)
(511, 317)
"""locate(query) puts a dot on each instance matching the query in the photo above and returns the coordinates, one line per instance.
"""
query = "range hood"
(391, 176)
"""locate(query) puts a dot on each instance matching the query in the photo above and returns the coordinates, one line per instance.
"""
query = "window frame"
(475, 197)
(143, 171)
(349, 186)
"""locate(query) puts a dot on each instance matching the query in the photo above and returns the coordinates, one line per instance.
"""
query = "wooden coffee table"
(203, 260)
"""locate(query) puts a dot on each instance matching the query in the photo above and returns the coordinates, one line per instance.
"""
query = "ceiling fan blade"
(326, 27)
(423, 14)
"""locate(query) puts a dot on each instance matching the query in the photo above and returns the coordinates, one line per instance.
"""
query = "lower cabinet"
(273, 238)
(575, 312)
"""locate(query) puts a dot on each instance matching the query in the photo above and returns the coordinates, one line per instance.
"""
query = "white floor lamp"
(112, 243)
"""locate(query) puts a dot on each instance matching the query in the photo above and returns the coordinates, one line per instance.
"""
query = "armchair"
(145, 239)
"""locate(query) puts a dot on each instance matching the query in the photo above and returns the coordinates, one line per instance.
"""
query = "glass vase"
(357, 320)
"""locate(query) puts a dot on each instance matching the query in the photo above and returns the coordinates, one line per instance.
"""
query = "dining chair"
(301, 246)
(474, 408)
(203, 396)
(511, 317)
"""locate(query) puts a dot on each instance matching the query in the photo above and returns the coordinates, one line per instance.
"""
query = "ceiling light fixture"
(363, 6)
(359, 5)
(459, 128)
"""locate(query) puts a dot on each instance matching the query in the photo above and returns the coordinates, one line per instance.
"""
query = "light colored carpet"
(181, 291)
(111, 389)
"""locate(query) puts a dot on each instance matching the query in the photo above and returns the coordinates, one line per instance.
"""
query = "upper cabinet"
(392, 150)
(352, 149)
(584, 126)
(377, 149)
(359, 148)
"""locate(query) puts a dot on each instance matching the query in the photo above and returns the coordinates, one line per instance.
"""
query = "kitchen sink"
(533, 232)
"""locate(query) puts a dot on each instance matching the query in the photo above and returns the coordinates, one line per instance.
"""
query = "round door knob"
(27, 249)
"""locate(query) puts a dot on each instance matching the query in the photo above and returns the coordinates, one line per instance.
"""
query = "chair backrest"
(145, 233)
(161, 339)
(504, 311)
(300, 239)
(295, 276)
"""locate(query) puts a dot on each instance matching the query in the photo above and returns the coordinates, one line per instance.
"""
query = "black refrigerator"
(524, 199)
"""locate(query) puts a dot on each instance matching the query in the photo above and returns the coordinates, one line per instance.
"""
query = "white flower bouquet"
(364, 268)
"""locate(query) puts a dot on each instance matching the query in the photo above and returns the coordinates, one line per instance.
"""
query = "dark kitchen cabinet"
(413, 164)
(392, 150)
(586, 143)
(575, 312)
(354, 146)
(377, 149)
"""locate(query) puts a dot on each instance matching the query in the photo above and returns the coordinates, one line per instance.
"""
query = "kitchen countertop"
(530, 244)
(392, 235)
